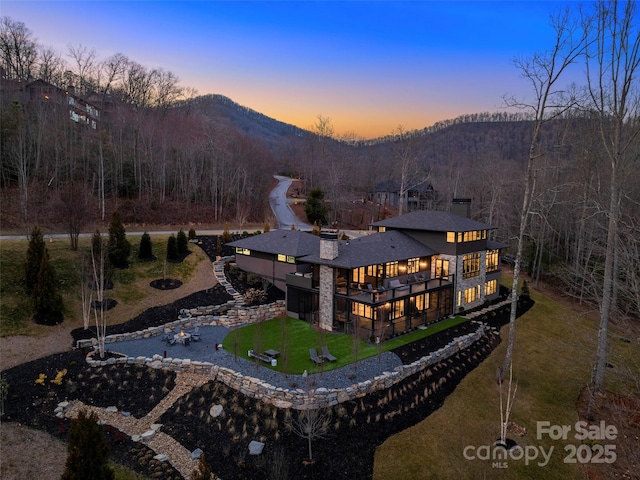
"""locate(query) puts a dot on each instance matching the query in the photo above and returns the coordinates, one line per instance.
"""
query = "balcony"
(300, 280)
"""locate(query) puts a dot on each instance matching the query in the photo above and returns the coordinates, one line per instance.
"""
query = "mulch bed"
(354, 429)
(166, 283)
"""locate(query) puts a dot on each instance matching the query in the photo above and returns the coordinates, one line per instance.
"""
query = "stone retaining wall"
(295, 397)
(226, 315)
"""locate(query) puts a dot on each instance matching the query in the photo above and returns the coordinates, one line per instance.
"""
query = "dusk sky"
(368, 66)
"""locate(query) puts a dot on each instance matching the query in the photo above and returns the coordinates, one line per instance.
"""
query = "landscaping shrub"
(254, 296)
(192, 233)
(172, 248)
(88, 453)
(47, 302)
(119, 246)
(146, 247)
(34, 257)
(182, 243)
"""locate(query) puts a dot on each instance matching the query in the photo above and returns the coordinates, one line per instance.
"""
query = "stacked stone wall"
(295, 397)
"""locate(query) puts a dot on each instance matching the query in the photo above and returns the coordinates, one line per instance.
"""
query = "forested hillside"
(84, 138)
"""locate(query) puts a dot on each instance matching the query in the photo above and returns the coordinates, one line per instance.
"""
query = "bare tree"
(51, 66)
(407, 163)
(18, 49)
(84, 59)
(613, 63)
(543, 71)
(98, 268)
(311, 424)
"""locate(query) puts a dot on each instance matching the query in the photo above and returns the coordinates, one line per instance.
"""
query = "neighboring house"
(419, 197)
(80, 110)
(416, 269)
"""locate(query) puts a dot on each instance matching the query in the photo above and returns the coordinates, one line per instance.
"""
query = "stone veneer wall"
(325, 301)
(298, 398)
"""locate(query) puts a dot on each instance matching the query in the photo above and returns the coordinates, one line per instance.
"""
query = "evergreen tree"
(87, 450)
(219, 246)
(172, 248)
(315, 208)
(47, 302)
(182, 243)
(192, 233)
(203, 471)
(119, 246)
(35, 253)
(146, 248)
(226, 235)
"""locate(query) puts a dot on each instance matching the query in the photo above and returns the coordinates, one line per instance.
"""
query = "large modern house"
(412, 270)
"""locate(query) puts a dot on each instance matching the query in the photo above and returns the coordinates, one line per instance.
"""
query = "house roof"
(286, 242)
(373, 249)
(433, 221)
(492, 245)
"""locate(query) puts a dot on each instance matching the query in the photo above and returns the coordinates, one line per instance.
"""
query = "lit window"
(471, 265)
(243, 251)
(451, 237)
(413, 265)
(492, 260)
(391, 269)
(491, 287)
(361, 310)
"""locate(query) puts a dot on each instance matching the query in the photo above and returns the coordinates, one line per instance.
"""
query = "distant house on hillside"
(419, 197)
(81, 111)
(414, 270)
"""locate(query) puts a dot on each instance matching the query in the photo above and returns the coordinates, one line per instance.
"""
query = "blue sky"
(368, 66)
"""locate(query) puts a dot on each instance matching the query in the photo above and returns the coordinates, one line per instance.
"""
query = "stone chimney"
(461, 206)
(328, 245)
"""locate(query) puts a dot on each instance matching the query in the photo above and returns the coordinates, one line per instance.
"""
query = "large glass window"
(391, 269)
(469, 295)
(442, 268)
(361, 310)
(358, 274)
(492, 260)
(397, 310)
(491, 287)
(422, 302)
(471, 265)
(413, 265)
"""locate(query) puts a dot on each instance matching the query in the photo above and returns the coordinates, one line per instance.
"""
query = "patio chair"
(171, 340)
(327, 355)
(313, 356)
(195, 335)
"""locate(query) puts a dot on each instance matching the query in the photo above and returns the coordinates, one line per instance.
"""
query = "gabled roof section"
(432, 221)
(374, 249)
(286, 242)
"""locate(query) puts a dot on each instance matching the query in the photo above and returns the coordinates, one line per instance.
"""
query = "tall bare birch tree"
(543, 71)
(613, 65)
(98, 257)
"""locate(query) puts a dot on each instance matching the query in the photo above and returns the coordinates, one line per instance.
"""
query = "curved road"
(280, 206)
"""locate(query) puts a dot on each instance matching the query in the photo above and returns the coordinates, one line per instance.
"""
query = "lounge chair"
(327, 355)
(313, 356)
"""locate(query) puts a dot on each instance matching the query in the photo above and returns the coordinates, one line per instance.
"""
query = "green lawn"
(293, 339)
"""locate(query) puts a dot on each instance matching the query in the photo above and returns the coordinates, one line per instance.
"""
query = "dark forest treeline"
(156, 144)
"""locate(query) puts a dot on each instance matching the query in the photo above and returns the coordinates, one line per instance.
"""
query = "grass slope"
(552, 361)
